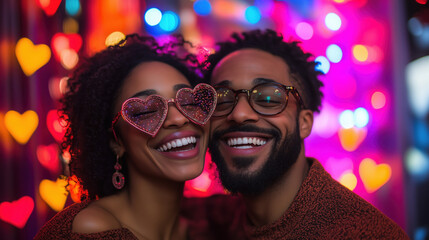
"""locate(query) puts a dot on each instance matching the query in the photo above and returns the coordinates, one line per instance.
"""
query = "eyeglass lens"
(266, 99)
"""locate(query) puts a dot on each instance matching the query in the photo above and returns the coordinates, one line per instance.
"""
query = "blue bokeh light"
(169, 21)
(202, 7)
(415, 26)
(417, 163)
(152, 16)
(324, 65)
(72, 7)
(334, 53)
(421, 133)
(346, 119)
(421, 233)
(333, 21)
(361, 117)
(252, 14)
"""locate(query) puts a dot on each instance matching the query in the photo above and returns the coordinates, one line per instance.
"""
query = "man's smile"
(245, 142)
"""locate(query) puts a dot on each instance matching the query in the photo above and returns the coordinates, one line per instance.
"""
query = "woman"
(136, 132)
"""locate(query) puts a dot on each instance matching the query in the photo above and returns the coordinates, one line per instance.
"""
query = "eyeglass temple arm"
(298, 97)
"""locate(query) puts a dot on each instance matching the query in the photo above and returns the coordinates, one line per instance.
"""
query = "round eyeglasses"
(266, 99)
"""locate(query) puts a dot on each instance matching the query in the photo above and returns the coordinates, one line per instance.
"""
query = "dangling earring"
(118, 178)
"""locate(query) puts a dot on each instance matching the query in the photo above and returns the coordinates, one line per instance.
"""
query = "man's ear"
(116, 145)
(305, 123)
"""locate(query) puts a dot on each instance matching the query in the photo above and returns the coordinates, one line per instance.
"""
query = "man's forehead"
(249, 65)
(245, 53)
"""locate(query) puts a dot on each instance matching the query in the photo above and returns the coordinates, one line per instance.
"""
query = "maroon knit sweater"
(322, 209)
(60, 227)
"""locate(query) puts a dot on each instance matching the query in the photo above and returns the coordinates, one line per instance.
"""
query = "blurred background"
(372, 134)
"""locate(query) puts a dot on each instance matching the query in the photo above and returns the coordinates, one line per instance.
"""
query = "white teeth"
(246, 142)
(177, 143)
(244, 147)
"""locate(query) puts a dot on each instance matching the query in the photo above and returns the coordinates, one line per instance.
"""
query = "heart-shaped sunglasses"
(148, 115)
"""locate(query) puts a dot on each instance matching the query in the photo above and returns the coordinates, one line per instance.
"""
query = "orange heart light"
(54, 193)
(349, 180)
(76, 190)
(31, 57)
(55, 125)
(17, 212)
(351, 138)
(21, 127)
(374, 176)
(62, 41)
(48, 157)
(49, 6)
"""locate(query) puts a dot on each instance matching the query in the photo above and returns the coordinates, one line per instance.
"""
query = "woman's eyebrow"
(146, 92)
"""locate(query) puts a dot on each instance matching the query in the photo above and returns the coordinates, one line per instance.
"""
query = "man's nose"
(242, 111)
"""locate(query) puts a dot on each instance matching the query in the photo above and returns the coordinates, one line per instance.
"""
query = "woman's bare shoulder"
(95, 218)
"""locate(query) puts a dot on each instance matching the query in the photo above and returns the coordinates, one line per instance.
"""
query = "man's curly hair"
(87, 107)
(301, 65)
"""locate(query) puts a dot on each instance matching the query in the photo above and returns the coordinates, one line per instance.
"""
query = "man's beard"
(283, 155)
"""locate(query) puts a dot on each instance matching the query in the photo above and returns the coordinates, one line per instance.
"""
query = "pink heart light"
(62, 41)
(56, 126)
(48, 157)
(49, 6)
(17, 212)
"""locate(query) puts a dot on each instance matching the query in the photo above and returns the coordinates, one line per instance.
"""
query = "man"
(267, 92)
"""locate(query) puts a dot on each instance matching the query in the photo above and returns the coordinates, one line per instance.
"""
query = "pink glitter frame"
(209, 99)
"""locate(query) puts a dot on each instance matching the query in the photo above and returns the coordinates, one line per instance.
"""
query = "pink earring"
(118, 178)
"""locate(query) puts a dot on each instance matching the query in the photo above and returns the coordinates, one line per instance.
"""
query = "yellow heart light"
(31, 57)
(374, 176)
(349, 180)
(54, 193)
(21, 127)
(351, 138)
(114, 38)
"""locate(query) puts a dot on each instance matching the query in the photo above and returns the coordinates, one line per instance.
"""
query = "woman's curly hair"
(93, 88)
(301, 66)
